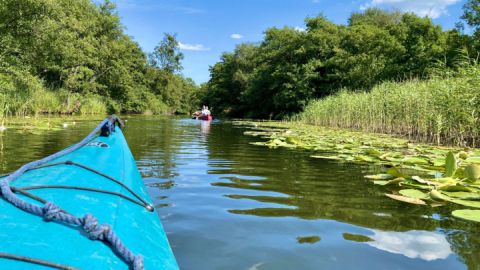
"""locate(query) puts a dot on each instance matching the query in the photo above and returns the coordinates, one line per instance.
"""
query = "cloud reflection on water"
(425, 245)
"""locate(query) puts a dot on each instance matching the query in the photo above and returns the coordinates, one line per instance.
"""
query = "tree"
(230, 79)
(78, 49)
(471, 14)
(167, 55)
(280, 75)
(376, 17)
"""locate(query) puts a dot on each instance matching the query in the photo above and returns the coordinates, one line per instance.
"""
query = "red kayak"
(205, 117)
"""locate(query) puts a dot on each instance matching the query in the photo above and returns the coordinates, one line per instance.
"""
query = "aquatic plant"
(415, 173)
(41, 124)
(461, 188)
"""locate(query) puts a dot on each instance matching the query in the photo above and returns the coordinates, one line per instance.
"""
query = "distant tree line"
(290, 67)
(64, 56)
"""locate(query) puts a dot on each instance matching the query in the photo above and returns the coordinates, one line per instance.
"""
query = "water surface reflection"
(226, 204)
(425, 245)
(237, 206)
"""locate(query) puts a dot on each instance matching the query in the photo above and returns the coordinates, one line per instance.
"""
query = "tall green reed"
(442, 110)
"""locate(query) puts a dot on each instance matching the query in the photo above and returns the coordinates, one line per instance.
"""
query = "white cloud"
(155, 6)
(236, 36)
(430, 8)
(299, 29)
(192, 47)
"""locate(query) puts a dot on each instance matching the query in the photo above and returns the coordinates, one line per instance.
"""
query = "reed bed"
(442, 110)
(22, 94)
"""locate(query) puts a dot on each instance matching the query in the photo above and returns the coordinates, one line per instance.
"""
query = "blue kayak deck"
(24, 234)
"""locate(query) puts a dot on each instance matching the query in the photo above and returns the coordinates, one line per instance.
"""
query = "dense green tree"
(471, 15)
(230, 79)
(76, 52)
(278, 84)
(288, 68)
(367, 55)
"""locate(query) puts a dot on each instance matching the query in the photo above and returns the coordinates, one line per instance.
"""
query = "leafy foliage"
(167, 55)
(51, 50)
(289, 68)
(471, 15)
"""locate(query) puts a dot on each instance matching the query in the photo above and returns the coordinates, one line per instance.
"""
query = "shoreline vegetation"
(74, 57)
(442, 110)
(43, 123)
(385, 72)
(291, 68)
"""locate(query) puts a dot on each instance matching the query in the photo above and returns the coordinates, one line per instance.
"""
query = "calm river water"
(226, 204)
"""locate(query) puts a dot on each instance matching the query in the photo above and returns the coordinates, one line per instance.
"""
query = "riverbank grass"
(442, 110)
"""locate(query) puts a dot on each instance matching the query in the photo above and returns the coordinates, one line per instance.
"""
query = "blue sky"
(207, 28)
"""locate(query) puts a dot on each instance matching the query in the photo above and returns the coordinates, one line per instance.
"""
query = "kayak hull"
(139, 229)
(206, 118)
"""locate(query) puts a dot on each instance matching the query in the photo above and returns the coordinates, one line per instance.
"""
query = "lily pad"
(413, 193)
(436, 195)
(389, 182)
(473, 160)
(373, 152)
(428, 161)
(381, 182)
(395, 172)
(327, 157)
(450, 165)
(467, 214)
(472, 172)
(421, 180)
(364, 158)
(463, 195)
(292, 140)
(474, 204)
(438, 162)
(453, 186)
(415, 160)
(382, 176)
(405, 199)
(415, 185)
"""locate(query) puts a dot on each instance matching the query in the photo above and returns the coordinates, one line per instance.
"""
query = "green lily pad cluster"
(452, 174)
(39, 125)
(459, 184)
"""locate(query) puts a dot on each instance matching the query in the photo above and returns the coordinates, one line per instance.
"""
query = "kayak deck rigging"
(36, 261)
(140, 201)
